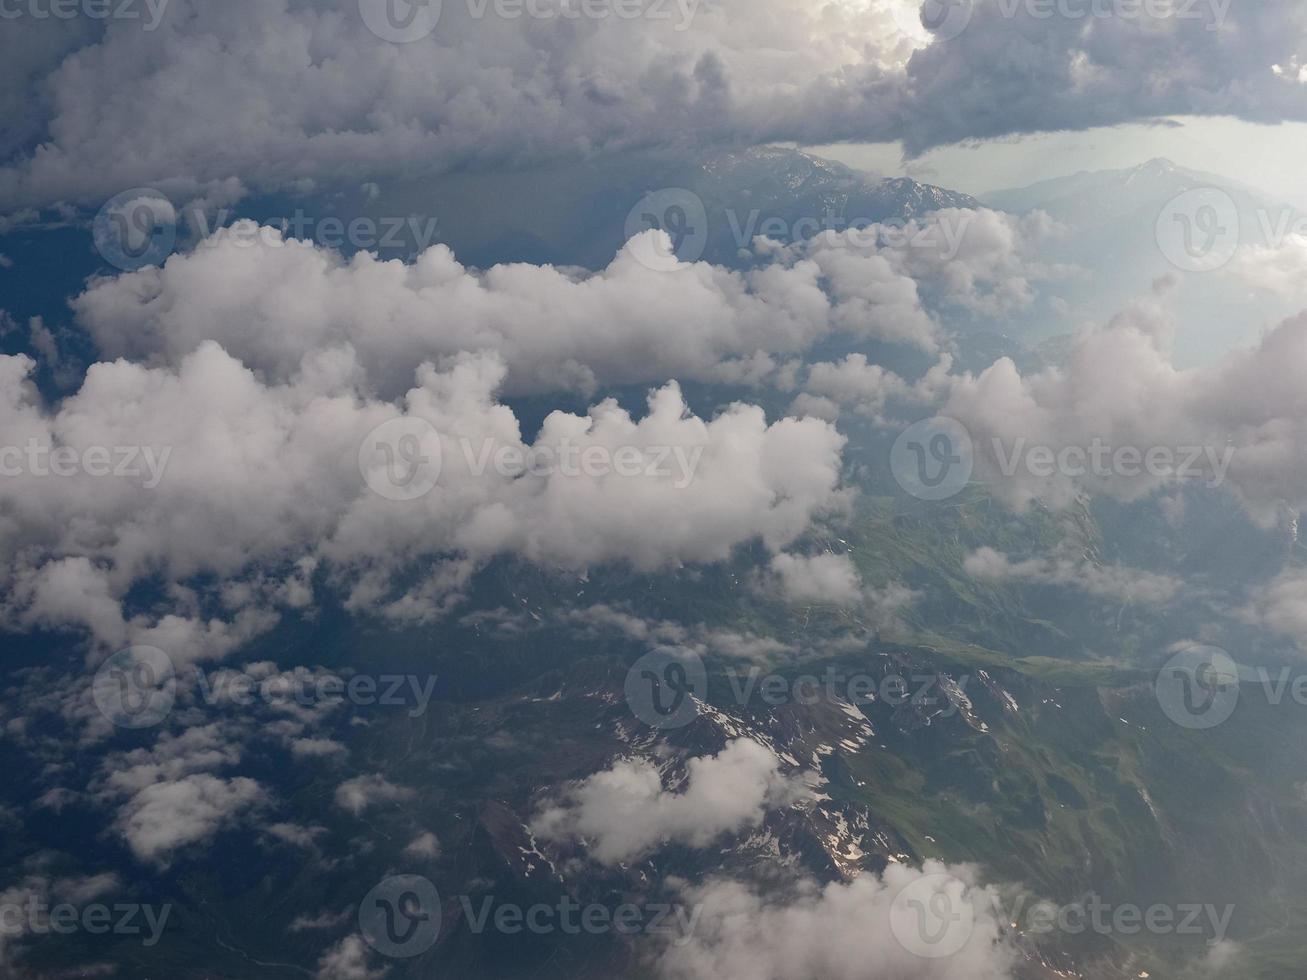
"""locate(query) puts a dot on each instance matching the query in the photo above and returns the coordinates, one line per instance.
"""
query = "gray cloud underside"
(261, 94)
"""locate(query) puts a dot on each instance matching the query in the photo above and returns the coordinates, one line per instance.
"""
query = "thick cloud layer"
(271, 301)
(263, 485)
(265, 94)
(1120, 418)
(1023, 67)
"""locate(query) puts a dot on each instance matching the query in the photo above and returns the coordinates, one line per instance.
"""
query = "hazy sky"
(1268, 157)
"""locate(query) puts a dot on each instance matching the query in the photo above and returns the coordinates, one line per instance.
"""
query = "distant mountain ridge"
(1111, 222)
(785, 173)
(577, 215)
(1110, 194)
(790, 186)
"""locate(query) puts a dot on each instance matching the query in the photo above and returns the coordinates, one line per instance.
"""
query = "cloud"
(296, 835)
(1219, 961)
(272, 302)
(1108, 581)
(298, 93)
(424, 845)
(1025, 67)
(867, 387)
(323, 920)
(348, 960)
(842, 931)
(478, 90)
(699, 638)
(262, 485)
(624, 812)
(40, 890)
(362, 792)
(979, 260)
(1281, 606)
(166, 816)
(312, 748)
(1280, 269)
(173, 756)
(1119, 418)
(819, 578)
(168, 797)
